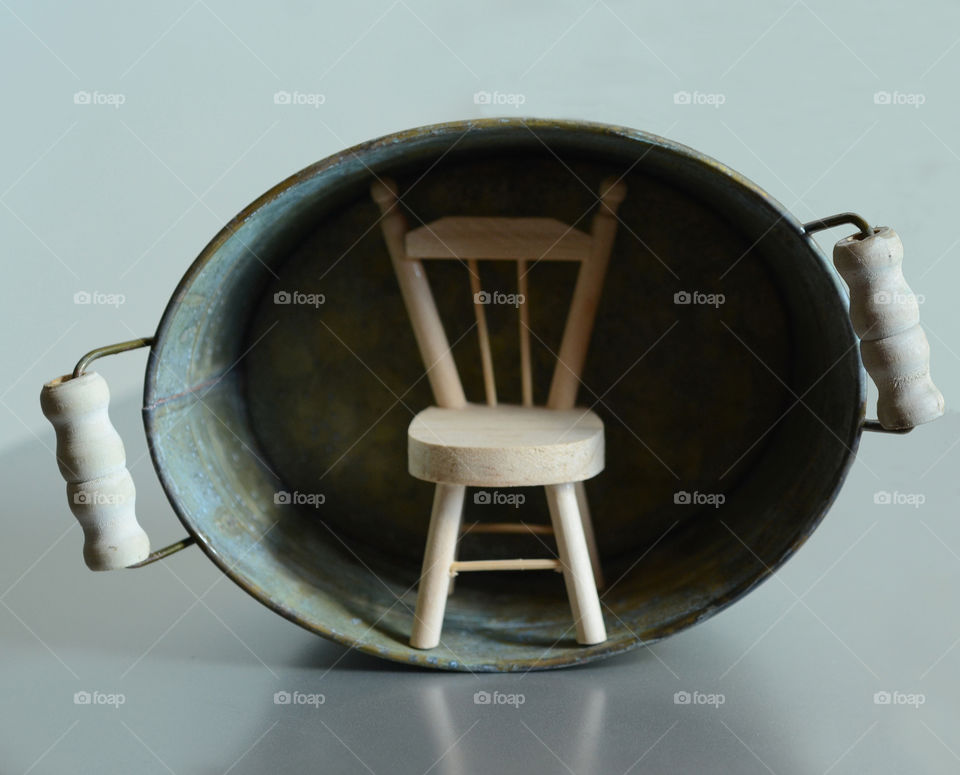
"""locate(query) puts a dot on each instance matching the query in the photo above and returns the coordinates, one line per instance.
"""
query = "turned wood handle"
(886, 317)
(92, 460)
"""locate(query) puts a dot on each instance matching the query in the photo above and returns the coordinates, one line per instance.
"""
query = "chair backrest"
(469, 239)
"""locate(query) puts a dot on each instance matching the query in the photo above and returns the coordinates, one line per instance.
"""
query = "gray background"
(118, 200)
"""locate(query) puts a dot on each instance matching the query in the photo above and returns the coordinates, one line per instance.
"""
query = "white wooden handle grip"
(92, 460)
(886, 317)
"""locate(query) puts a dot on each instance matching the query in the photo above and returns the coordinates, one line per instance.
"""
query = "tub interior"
(279, 394)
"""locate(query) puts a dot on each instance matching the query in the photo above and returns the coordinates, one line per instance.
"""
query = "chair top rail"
(514, 239)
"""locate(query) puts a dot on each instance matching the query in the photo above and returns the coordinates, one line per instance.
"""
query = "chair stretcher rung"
(506, 527)
(478, 565)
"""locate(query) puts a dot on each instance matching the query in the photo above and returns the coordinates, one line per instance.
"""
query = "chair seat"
(505, 445)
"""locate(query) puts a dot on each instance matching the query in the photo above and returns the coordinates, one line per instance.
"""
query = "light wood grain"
(513, 565)
(586, 298)
(505, 446)
(93, 462)
(507, 527)
(508, 239)
(523, 326)
(575, 560)
(427, 328)
(483, 333)
(437, 559)
(586, 518)
(456, 444)
(886, 317)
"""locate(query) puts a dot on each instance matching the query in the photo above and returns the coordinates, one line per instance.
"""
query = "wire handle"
(92, 460)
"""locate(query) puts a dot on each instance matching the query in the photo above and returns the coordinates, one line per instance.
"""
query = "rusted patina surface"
(246, 398)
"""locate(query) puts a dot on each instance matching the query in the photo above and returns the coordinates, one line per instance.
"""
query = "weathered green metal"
(246, 397)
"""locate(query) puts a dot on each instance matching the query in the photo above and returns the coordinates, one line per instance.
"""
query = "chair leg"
(456, 553)
(575, 558)
(437, 558)
(588, 533)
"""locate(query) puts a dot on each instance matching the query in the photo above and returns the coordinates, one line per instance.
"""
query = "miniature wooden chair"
(458, 445)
